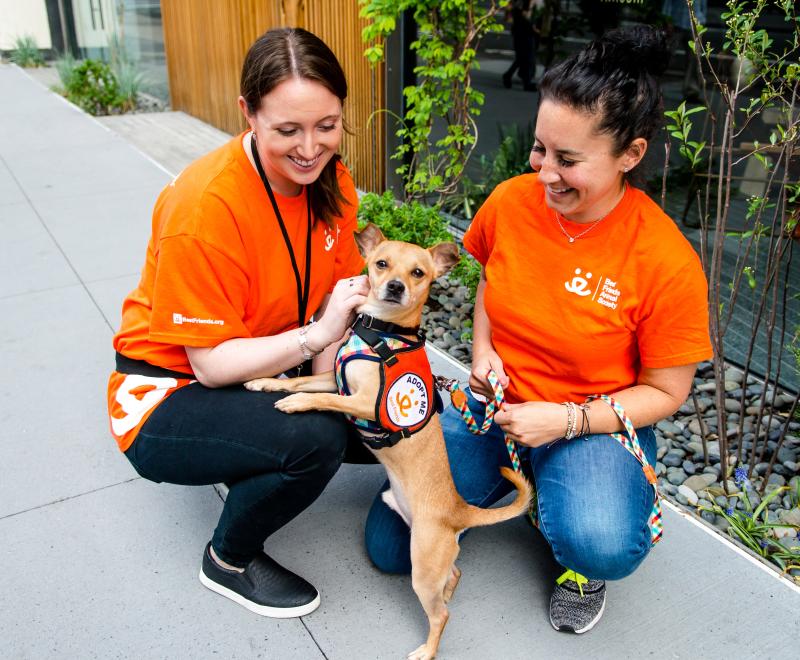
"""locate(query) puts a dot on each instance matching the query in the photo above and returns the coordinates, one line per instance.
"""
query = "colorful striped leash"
(459, 399)
(630, 441)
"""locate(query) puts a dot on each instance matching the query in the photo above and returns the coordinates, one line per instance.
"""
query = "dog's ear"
(445, 256)
(368, 239)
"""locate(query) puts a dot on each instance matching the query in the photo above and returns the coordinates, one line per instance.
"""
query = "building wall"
(19, 18)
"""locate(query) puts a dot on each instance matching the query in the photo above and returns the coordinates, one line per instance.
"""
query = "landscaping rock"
(688, 493)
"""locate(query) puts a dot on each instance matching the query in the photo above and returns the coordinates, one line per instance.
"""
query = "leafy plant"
(751, 527)
(449, 32)
(415, 223)
(412, 222)
(129, 78)
(94, 88)
(26, 52)
(65, 67)
(764, 77)
(511, 159)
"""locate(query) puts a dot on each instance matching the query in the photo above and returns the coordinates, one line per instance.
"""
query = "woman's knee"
(600, 552)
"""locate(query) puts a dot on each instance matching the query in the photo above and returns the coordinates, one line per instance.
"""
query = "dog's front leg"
(324, 382)
(356, 405)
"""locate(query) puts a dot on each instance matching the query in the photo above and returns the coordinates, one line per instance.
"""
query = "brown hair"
(285, 53)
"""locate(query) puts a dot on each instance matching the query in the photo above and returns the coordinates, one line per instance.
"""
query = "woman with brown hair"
(251, 271)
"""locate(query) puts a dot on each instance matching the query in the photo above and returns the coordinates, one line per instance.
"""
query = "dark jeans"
(274, 464)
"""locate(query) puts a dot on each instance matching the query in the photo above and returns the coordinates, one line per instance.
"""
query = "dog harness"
(407, 397)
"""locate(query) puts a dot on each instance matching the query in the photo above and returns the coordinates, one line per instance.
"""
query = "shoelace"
(577, 578)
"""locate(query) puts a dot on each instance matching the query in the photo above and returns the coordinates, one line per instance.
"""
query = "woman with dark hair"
(587, 289)
(251, 271)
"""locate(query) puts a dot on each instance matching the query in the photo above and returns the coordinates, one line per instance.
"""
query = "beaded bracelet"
(572, 430)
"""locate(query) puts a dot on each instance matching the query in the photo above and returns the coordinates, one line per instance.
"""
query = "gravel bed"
(685, 476)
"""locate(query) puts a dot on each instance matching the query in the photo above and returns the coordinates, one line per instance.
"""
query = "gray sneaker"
(577, 603)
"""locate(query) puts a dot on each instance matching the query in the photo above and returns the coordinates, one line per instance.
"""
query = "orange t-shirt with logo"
(574, 319)
(217, 268)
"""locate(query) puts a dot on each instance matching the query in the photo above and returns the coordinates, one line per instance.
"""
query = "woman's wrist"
(317, 337)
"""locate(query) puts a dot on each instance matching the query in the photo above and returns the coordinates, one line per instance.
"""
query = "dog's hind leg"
(452, 583)
(433, 552)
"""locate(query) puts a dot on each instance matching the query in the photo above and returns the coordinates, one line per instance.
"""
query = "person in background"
(587, 289)
(251, 271)
(524, 35)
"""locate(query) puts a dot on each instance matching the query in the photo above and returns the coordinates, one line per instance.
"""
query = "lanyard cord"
(302, 291)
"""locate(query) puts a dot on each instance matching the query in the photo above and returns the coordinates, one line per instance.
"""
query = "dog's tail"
(475, 516)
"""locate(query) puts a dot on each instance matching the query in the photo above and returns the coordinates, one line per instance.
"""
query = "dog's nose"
(395, 287)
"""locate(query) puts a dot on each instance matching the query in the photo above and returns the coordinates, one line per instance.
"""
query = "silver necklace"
(571, 238)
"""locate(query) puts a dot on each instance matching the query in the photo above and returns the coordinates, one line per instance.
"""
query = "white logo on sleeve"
(179, 319)
(330, 241)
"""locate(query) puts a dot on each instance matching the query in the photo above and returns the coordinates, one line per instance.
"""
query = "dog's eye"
(417, 272)
(381, 263)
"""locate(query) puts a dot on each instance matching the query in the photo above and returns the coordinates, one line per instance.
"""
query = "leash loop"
(629, 440)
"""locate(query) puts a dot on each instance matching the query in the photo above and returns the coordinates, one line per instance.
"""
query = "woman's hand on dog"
(347, 296)
(532, 423)
(482, 364)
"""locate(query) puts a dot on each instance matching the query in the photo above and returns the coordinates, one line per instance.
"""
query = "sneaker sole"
(263, 610)
(586, 628)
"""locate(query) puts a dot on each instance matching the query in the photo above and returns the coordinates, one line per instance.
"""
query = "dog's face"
(400, 275)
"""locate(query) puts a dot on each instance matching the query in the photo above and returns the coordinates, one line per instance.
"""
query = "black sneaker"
(577, 603)
(265, 587)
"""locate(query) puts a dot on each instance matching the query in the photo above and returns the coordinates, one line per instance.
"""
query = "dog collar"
(371, 323)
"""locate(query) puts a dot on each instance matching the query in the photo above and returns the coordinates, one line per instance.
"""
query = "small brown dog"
(414, 454)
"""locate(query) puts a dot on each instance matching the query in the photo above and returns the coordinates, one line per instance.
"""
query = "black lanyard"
(302, 291)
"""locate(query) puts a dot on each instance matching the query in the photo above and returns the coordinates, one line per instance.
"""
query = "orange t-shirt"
(217, 268)
(574, 319)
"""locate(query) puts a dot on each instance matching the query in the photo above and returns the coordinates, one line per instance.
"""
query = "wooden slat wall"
(339, 26)
(206, 41)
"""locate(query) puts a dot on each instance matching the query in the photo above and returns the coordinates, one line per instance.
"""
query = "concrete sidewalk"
(100, 563)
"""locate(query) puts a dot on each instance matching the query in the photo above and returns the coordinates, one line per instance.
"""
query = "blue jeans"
(594, 501)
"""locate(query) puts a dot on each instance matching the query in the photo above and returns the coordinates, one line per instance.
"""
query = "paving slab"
(104, 232)
(105, 564)
(54, 439)
(32, 260)
(113, 574)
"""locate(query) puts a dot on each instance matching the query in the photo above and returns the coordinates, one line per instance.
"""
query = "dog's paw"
(422, 653)
(265, 385)
(295, 403)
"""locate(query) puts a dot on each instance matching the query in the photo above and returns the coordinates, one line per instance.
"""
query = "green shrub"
(26, 52)
(511, 159)
(125, 70)
(411, 222)
(65, 67)
(94, 88)
(419, 224)
(129, 81)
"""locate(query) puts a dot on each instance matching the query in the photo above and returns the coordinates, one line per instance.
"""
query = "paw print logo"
(407, 400)
(579, 284)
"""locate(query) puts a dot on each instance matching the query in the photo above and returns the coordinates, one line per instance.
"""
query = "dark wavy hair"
(285, 53)
(616, 78)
